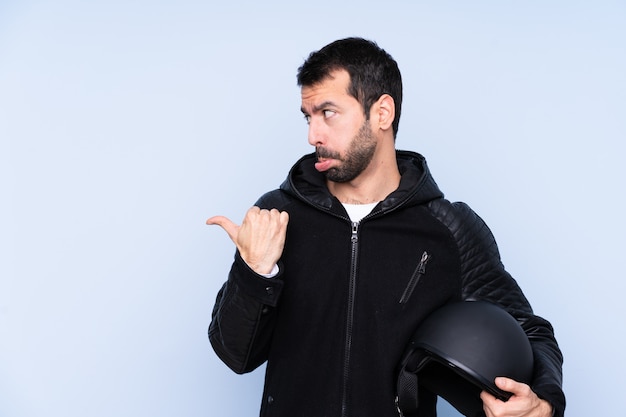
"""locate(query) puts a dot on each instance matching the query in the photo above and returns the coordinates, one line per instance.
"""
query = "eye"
(329, 113)
(307, 118)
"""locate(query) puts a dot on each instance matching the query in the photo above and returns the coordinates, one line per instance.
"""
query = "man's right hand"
(260, 239)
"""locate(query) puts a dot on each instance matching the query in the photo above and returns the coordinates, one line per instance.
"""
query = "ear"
(384, 112)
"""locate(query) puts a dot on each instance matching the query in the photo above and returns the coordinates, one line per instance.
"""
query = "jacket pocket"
(417, 275)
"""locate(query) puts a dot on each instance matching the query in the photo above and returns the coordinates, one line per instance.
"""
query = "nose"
(316, 132)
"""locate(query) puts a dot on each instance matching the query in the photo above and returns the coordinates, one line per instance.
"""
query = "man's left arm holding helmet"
(484, 278)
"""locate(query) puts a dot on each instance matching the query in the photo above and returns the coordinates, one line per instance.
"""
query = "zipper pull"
(421, 268)
(355, 230)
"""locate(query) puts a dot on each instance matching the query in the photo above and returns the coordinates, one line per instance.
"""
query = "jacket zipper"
(354, 239)
(417, 274)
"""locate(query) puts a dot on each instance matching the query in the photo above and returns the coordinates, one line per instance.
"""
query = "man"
(318, 288)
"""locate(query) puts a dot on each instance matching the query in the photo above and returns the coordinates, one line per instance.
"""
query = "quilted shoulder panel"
(483, 276)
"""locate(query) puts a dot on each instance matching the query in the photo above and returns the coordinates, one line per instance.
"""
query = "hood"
(417, 186)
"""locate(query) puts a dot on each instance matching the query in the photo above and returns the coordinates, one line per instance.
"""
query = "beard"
(357, 158)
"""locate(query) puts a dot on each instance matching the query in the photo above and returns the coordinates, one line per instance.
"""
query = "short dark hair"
(373, 72)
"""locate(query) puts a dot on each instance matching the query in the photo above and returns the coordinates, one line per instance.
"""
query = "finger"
(280, 220)
(225, 223)
(486, 396)
(215, 220)
(512, 386)
(489, 402)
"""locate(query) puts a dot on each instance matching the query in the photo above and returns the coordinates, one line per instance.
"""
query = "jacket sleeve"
(484, 278)
(243, 317)
(244, 314)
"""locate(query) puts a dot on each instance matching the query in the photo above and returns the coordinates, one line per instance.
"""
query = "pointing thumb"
(225, 223)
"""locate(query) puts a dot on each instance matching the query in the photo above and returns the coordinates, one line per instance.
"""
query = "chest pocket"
(418, 273)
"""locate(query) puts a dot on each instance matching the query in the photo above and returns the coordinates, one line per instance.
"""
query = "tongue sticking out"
(323, 165)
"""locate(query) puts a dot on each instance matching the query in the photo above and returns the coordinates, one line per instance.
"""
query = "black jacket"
(334, 323)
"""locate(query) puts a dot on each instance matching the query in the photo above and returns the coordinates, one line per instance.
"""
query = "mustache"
(322, 152)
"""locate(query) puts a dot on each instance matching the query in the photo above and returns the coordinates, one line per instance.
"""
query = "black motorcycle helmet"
(458, 351)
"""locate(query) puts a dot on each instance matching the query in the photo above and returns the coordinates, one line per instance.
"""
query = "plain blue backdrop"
(125, 124)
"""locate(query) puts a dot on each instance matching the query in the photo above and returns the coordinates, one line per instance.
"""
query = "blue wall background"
(125, 124)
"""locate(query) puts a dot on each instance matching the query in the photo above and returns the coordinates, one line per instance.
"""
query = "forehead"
(333, 88)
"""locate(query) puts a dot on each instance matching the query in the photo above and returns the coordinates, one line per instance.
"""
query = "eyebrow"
(320, 106)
